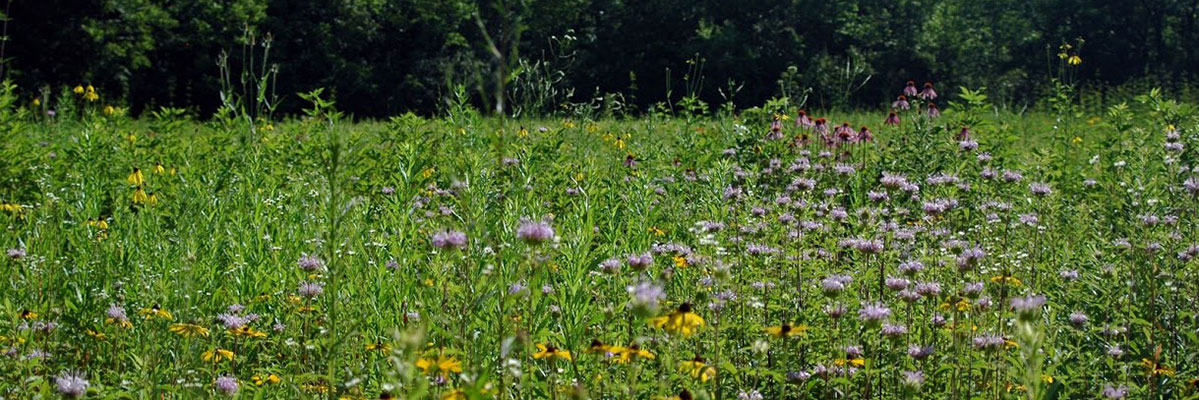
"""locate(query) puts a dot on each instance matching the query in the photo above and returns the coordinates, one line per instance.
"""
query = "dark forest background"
(381, 58)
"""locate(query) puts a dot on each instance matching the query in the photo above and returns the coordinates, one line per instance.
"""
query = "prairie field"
(975, 252)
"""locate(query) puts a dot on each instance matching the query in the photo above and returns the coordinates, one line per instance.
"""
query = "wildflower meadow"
(166, 239)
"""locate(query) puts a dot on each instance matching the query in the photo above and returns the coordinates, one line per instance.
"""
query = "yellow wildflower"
(247, 331)
(156, 312)
(681, 321)
(268, 379)
(698, 369)
(443, 365)
(188, 330)
(140, 196)
(549, 351)
(136, 178)
(217, 355)
(786, 330)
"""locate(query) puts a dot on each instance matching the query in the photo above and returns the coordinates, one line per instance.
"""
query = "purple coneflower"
(933, 111)
(928, 93)
(892, 119)
(802, 120)
(910, 89)
(901, 103)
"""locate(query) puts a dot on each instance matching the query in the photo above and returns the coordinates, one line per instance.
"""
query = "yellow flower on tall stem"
(136, 178)
(217, 355)
(188, 330)
(549, 351)
(156, 312)
(698, 368)
(786, 330)
(443, 365)
(681, 321)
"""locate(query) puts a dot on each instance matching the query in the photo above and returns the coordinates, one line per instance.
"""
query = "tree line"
(533, 57)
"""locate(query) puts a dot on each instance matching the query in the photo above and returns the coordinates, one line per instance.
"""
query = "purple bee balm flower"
(989, 342)
(535, 232)
(310, 263)
(894, 283)
(910, 268)
(71, 384)
(449, 240)
(1078, 319)
(894, 331)
(835, 311)
(1115, 351)
(311, 289)
(1191, 185)
(1040, 189)
(873, 314)
(1028, 306)
(117, 313)
(917, 352)
(226, 385)
(388, 190)
(1115, 392)
(912, 379)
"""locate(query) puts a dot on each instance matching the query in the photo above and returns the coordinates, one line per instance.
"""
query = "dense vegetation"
(380, 58)
(969, 254)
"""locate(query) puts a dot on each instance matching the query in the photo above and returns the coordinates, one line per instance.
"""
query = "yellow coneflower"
(90, 94)
(1007, 280)
(698, 369)
(10, 207)
(188, 330)
(109, 110)
(247, 331)
(681, 321)
(158, 168)
(443, 365)
(856, 362)
(151, 199)
(140, 196)
(1155, 368)
(378, 346)
(315, 387)
(37, 102)
(428, 172)
(1074, 60)
(522, 132)
(156, 312)
(625, 354)
(97, 223)
(786, 330)
(549, 351)
(136, 178)
(78, 89)
(27, 314)
(568, 124)
(217, 355)
(263, 380)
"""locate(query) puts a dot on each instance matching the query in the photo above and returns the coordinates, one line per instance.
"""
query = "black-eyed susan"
(853, 362)
(188, 330)
(265, 379)
(682, 321)
(97, 223)
(1156, 368)
(156, 311)
(217, 355)
(623, 355)
(443, 365)
(680, 261)
(247, 332)
(1006, 279)
(598, 347)
(698, 368)
(27, 314)
(786, 330)
(378, 346)
(96, 334)
(549, 351)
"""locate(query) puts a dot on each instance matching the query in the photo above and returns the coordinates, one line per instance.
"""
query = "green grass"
(235, 211)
